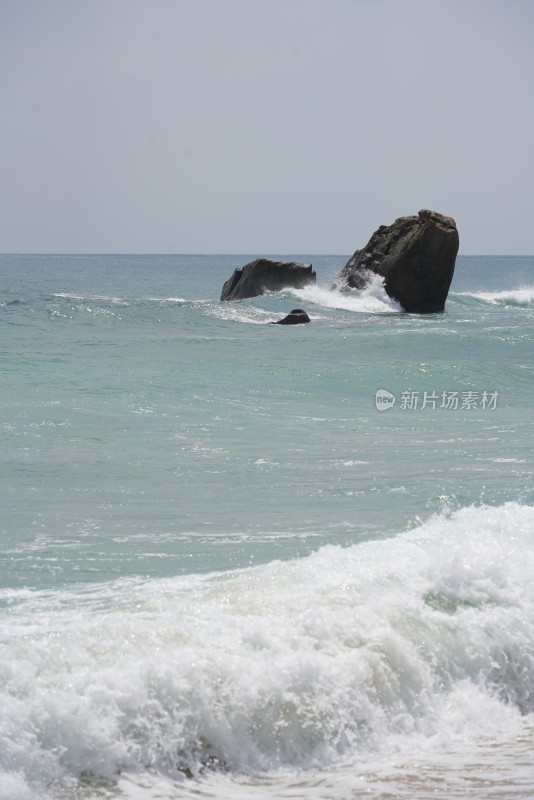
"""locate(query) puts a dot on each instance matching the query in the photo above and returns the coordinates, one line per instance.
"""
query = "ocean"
(241, 560)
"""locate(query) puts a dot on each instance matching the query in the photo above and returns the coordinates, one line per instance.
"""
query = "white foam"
(169, 300)
(371, 300)
(389, 648)
(513, 297)
(117, 301)
(251, 315)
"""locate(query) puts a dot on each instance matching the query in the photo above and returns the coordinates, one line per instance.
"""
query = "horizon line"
(302, 253)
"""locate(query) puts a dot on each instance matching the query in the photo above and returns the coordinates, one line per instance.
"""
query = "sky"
(263, 126)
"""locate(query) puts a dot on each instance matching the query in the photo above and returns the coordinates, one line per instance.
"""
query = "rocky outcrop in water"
(265, 275)
(295, 317)
(415, 256)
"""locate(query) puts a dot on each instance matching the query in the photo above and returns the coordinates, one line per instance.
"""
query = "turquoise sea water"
(224, 572)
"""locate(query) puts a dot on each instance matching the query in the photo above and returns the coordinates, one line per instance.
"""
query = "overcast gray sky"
(263, 126)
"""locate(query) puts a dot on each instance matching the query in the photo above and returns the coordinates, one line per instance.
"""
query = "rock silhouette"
(266, 275)
(295, 317)
(416, 257)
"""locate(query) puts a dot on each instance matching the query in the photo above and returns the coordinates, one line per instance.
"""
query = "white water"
(420, 644)
(371, 300)
(512, 297)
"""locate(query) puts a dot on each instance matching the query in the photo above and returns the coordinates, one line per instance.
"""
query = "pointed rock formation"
(415, 256)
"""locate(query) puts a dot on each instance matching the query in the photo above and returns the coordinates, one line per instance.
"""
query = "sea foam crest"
(237, 312)
(387, 647)
(371, 300)
(118, 301)
(507, 297)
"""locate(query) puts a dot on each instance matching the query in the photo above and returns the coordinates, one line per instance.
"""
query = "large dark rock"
(264, 275)
(295, 317)
(415, 256)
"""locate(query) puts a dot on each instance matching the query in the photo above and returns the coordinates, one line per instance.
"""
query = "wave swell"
(507, 297)
(393, 646)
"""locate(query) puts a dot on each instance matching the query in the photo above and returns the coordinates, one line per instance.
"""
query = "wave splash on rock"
(415, 255)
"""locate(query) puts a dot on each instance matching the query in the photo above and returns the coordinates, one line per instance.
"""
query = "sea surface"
(241, 560)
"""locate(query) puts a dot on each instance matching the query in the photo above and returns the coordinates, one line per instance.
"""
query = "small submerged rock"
(295, 317)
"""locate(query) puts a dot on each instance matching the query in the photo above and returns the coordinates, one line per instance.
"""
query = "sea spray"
(373, 299)
(509, 297)
(422, 640)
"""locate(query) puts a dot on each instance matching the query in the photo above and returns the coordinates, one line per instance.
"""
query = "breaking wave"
(371, 300)
(395, 646)
(508, 297)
